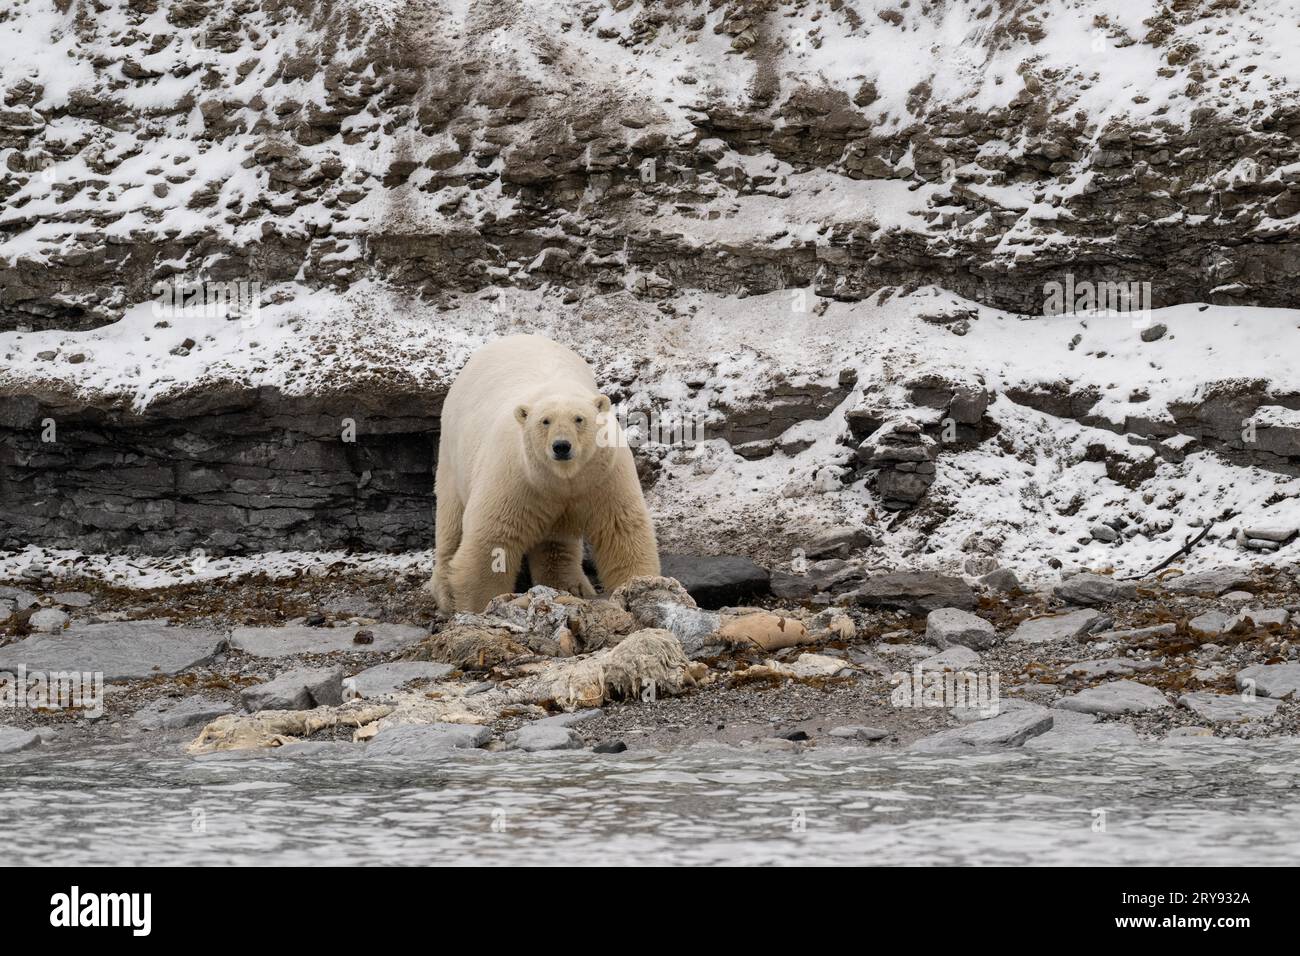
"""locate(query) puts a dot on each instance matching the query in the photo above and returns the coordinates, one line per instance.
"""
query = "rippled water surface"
(1201, 802)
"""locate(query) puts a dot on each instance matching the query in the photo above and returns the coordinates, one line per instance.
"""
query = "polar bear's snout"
(562, 450)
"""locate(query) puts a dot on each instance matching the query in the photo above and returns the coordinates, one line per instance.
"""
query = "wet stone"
(1015, 723)
(535, 737)
(1229, 708)
(426, 740)
(14, 739)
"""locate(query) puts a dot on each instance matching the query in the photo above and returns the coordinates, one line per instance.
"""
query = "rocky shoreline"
(337, 661)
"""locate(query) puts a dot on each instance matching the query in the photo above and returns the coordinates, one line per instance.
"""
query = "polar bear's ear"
(521, 413)
(602, 403)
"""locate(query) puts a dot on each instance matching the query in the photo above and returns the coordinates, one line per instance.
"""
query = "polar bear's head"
(564, 433)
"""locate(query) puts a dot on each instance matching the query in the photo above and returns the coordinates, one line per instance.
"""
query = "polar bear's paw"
(440, 591)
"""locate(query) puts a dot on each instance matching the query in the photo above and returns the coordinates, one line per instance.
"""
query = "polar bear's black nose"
(563, 450)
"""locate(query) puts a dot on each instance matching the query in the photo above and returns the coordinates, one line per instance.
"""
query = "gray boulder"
(14, 739)
(948, 626)
(916, 592)
(427, 740)
(300, 689)
(1003, 579)
(48, 620)
(1093, 590)
(535, 737)
(21, 599)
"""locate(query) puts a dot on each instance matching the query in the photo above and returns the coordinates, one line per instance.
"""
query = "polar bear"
(531, 460)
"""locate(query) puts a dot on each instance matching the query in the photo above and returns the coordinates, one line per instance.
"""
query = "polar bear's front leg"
(623, 540)
(481, 570)
(449, 515)
(557, 563)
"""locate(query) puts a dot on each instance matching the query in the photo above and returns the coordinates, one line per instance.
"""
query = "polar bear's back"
(498, 377)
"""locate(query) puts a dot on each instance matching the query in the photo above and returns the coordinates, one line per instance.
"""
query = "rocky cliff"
(812, 228)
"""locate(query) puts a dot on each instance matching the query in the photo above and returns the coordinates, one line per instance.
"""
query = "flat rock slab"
(422, 740)
(916, 592)
(949, 625)
(1212, 583)
(22, 599)
(1015, 723)
(1092, 590)
(1230, 708)
(1075, 731)
(1271, 680)
(1212, 623)
(14, 739)
(123, 650)
(1058, 627)
(386, 678)
(1134, 634)
(1108, 667)
(719, 580)
(953, 659)
(1115, 697)
(300, 639)
(1280, 534)
(73, 599)
(168, 714)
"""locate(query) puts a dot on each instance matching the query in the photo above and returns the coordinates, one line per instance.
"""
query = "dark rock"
(717, 581)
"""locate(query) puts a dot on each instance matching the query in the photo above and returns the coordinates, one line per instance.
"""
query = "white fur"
(501, 493)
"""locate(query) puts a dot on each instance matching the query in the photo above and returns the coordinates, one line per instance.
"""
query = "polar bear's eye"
(578, 420)
(546, 421)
